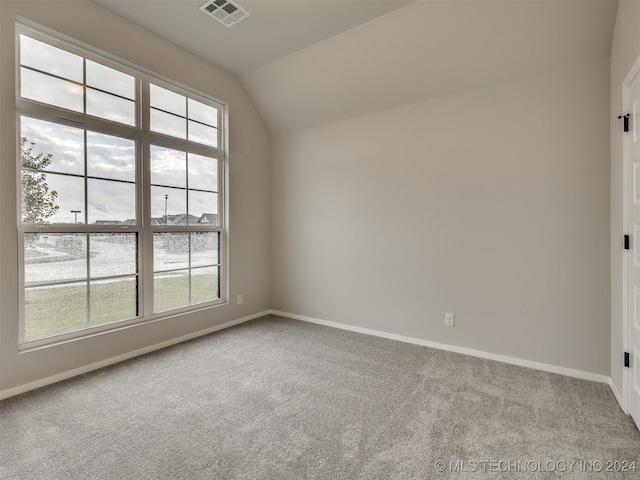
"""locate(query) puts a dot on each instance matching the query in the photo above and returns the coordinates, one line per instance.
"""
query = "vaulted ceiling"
(309, 62)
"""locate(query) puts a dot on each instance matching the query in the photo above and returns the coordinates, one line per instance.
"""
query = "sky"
(112, 195)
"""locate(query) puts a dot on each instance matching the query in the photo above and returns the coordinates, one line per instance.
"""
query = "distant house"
(209, 218)
(129, 221)
(178, 219)
(108, 222)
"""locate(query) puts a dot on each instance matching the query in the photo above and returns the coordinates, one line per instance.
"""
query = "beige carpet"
(281, 399)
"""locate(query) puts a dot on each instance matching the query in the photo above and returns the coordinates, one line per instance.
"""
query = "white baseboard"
(120, 358)
(618, 395)
(441, 346)
(452, 348)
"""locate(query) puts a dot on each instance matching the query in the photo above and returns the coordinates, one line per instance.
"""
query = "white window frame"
(144, 138)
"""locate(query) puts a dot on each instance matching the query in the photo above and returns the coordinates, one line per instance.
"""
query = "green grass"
(49, 311)
(61, 309)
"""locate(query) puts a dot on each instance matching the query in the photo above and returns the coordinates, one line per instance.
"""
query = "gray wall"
(624, 52)
(492, 204)
(249, 192)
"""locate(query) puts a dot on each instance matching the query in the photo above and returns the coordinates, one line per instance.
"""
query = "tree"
(38, 202)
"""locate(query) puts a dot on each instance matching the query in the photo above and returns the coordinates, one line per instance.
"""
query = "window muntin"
(78, 272)
(91, 176)
(57, 77)
(46, 58)
(63, 143)
(110, 157)
(101, 77)
(54, 91)
(186, 268)
(183, 117)
(182, 183)
(74, 281)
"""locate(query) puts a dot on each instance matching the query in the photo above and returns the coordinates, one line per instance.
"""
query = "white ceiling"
(273, 29)
(309, 62)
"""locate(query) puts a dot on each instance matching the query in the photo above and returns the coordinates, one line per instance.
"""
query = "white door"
(633, 150)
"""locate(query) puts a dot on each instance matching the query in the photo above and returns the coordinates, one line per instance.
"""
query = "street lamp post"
(166, 200)
(75, 213)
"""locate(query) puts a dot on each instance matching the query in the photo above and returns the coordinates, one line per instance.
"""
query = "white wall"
(249, 189)
(492, 204)
(625, 50)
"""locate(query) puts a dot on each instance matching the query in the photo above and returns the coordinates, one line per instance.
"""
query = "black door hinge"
(626, 242)
(626, 121)
(626, 359)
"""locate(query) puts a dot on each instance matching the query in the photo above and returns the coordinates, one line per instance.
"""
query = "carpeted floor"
(281, 399)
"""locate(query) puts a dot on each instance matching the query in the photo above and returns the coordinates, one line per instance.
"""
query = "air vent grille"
(226, 12)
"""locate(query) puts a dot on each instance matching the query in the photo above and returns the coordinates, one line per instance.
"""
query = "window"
(122, 201)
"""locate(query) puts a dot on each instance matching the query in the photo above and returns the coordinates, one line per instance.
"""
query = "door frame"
(626, 224)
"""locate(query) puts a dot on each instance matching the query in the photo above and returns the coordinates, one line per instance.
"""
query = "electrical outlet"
(239, 301)
(449, 319)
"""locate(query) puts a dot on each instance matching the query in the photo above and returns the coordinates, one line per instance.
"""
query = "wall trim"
(401, 338)
(618, 395)
(121, 358)
(452, 348)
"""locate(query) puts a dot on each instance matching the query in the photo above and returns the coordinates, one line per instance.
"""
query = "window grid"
(84, 85)
(143, 229)
(183, 115)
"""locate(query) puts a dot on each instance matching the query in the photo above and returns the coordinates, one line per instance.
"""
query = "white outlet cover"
(449, 319)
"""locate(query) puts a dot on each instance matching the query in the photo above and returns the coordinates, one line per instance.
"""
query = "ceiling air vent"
(225, 11)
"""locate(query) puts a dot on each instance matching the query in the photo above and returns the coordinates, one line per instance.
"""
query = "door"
(632, 139)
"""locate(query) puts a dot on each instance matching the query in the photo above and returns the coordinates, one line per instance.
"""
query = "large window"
(121, 193)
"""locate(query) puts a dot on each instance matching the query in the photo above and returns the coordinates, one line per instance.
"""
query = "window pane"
(54, 309)
(113, 254)
(203, 134)
(110, 80)
(203, 173)
(64, 146)
(168, 167)
(111, 157)
(113, 300)
(168, 124)
(168, 101)
(170, 290)
(204, 284)
(173, 201)
(46, 89)
(50, 59)
(110, 107)
(111, 203)
(202, 203)
(204, 249)
(51, 198)
(170, 251)
(54, 257)
(92, 183)
(203, 113)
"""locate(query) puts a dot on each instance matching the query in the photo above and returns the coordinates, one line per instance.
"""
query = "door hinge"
(626, 359)
(626, 121)
(626, 242)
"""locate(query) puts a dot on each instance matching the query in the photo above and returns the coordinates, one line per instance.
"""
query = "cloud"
(168, 167)
(64, 144)
(50, 59)
(111, 157)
